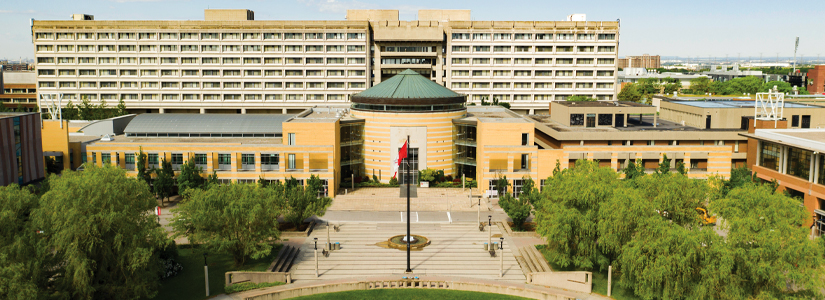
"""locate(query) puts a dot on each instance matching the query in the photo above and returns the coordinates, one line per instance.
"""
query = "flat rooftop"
(491, 114)
(207, 123)
(735, 104)
(601, 104)
(810, 139)
(195, 140)
(634, 123)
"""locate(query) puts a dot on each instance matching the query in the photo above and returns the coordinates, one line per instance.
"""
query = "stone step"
(277, 260)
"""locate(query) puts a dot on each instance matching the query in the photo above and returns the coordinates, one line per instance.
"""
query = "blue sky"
(668, 28)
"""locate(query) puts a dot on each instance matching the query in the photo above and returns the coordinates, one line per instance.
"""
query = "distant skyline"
(694, 29)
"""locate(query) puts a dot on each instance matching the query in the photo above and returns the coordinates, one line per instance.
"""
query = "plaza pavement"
(429, 199)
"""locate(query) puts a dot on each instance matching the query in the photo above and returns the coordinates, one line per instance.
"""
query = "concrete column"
(812, 169)
(614, 161)
(203, 110)
(161, 110)
(625, 122)
(532, 111)
(258, 162)
(817, 159)
(210, 163)
(243, 111)
(306, 162)
(758, 153)
(234, 165)
(784, 160)
(655, 120)
(282, 157)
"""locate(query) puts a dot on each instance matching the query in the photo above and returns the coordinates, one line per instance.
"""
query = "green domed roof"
(410, 86)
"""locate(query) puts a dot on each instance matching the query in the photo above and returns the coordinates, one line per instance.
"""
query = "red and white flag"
(157, 210)
(402, 154)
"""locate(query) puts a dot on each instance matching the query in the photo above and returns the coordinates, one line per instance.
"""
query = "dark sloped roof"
(207, 123)
(408, 87)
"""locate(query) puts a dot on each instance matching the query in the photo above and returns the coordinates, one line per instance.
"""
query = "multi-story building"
(646, 61)
(21, 150)
(231, 63)
(816, 80)
(18, 89)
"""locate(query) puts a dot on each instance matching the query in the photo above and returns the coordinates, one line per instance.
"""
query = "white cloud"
(5, 11)
(127, 1)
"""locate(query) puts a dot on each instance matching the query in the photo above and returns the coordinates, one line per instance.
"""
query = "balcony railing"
(465, 161)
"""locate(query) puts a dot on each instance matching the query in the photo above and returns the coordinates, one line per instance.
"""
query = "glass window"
(799, 163)
(291, 140)
(770, 156)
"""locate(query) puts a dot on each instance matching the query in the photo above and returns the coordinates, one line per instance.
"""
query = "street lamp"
(490, 224)
(316, 256)
(501, 257)
(206, 273)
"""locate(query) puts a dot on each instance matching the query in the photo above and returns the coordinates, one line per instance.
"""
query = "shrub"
(245, 286)
(427, 175)
(393, 181)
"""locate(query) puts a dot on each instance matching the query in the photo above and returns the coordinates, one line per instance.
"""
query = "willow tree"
(568, 214)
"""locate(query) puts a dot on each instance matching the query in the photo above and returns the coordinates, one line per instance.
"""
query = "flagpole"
(409, 237)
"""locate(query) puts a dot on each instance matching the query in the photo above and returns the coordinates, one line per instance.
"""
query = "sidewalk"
(429, 199)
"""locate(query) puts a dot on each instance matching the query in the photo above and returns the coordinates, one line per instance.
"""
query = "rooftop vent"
(107, 138)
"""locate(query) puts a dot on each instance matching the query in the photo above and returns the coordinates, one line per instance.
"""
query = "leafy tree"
(568, 214)
(501, 185)
(635, 169)
(670, 85)
(664, 166)
(3, 107)
(494, 103)
(52, 167)
(720, 88)
(700, 85)
(164, 183)
(141, 167)
(24, 260)
(212, 179)
(580, 98)
(121, 109)
(70, 112)
(680, 167)
(302, 202)
(86, 109)
(630, 93)
(190, 176)
(648, 87)
(238, 219)
(771, 254)
(95, 224)
(263, 182)
(518, 209)
(747, 84)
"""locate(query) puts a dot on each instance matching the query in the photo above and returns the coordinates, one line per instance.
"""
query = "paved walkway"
(456, 250)
(388, 199)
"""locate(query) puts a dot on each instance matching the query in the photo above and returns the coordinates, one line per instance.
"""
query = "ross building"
(15, 66)
(18, 89)
(722, 73)
(792, 157)
(263, 66)
(21, 152)
(645, 61)
(816, 80)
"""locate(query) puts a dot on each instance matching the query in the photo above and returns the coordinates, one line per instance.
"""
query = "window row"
(531, 85)
(198, 36)
(204, 85)
(201, 48)
(534, 37)
(205, 97)
(528, 61)
(580, 49)
(203, 73)
(508, 73)
(527, 97)
(203, 60)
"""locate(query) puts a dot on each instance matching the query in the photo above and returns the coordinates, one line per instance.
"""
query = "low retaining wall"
(305, 233)
(512, 233)
(580, 281)
(429, 282)
(256, 277)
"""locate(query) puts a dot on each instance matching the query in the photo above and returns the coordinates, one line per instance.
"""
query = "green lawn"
(188, 284)
(599, 280)
(408, 294)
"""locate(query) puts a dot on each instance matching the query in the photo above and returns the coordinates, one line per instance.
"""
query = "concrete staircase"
(531, 260)
(455, 250)
(285, 260)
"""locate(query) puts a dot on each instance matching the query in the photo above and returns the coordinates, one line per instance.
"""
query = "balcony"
(466, 161)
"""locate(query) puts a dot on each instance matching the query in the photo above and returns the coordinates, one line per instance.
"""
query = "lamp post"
(329, 242)
(409, 237)
(490, 229)
(501, 257)
(206, 273)
(316, 257)
(479, 211)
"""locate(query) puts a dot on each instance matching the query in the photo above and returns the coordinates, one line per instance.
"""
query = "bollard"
(609, 279)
